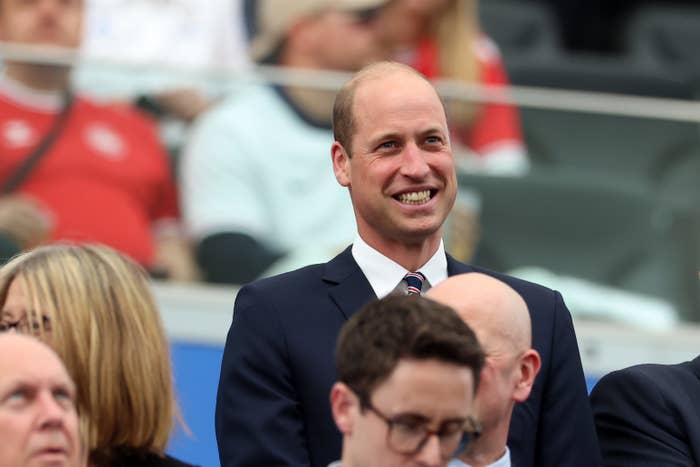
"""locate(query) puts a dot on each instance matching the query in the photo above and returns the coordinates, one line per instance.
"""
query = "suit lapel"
(455, 267)
(349, 288)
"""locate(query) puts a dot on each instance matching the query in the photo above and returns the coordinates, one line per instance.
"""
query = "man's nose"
(414, 163)
(51, 412)
(430, 454)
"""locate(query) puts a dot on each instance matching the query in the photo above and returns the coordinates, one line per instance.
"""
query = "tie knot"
(414, 282)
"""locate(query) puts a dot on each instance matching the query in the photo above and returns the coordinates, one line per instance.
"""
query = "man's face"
(343, 41)
(38, 420)
(494, 396)
(401, 174)
(418, 393)
(42, 22)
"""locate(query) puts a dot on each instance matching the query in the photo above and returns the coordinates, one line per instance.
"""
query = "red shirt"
(495, 124)
(105, 179)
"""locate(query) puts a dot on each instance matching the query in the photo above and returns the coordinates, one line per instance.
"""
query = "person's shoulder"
(241, 102)
(131, 459)
(299, 279)
(120, 113)
(520, 285)
(650, 373)
(169, 461)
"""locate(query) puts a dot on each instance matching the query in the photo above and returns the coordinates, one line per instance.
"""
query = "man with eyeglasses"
(408, 369)
(501, 321)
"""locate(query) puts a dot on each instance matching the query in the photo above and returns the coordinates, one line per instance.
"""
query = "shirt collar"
(43, 101)
(503, 461)
(384, 274)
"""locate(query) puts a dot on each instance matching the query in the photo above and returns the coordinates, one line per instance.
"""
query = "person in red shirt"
(441, 39)
(100, 173)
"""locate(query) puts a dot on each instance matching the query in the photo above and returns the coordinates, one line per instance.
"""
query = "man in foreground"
(38, 420)
(392, 152)
(408, 369)
(501, 321)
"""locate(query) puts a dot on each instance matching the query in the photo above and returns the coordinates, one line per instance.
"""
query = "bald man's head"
(38, 419)
(496, 312)
(501, 320)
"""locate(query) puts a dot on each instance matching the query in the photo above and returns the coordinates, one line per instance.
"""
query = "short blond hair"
(106, 327)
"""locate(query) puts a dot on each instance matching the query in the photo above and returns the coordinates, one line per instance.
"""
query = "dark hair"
(397, 327)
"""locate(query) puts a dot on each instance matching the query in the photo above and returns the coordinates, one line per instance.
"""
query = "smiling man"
(38, 420)
(393, 153)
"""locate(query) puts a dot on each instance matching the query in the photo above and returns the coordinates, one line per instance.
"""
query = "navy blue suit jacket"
(649, 415)
(278, 368)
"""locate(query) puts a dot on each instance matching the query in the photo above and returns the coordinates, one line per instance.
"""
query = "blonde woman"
(442, 39)
(94, 307)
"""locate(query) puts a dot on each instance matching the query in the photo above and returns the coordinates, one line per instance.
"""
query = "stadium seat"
(603, 230)
(520, 28)
(665, 35)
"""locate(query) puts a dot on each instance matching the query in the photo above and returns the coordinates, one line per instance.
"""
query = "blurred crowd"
(156, 144)
(202, 178)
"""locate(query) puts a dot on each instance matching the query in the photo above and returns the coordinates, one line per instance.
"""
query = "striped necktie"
(414, 282)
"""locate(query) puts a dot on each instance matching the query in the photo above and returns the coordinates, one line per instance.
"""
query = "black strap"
(22, 172)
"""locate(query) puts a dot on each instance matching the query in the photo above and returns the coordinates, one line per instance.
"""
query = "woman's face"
(15, 314)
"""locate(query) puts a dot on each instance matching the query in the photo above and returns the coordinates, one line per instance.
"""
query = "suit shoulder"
(520, 285)
(282, 289)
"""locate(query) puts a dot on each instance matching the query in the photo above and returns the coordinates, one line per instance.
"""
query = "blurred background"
(575, 132)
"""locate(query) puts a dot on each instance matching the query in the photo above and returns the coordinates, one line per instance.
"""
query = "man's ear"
(341, 164)
(530, 363)
(344, 406)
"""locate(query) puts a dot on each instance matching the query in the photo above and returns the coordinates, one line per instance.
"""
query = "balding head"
(496, 312)
(344, 106)
(38, 419)
(501, 320)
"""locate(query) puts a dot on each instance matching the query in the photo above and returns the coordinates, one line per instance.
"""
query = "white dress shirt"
(504, 461)
(384, 274)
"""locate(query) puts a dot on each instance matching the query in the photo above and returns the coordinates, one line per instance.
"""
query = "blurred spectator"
(408, 369)
(501, 320)
(72, 169)
(258, 193)
(95, 308)
(441, 39)
(173, 36)
(38, 420)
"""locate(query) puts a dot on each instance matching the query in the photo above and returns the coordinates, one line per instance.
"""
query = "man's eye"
(433, 140)
(388, 145)
(410, 424)
(64, 397)
(451, 428)
(17, 395)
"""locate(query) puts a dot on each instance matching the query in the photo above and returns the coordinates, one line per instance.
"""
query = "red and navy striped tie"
(414, 281)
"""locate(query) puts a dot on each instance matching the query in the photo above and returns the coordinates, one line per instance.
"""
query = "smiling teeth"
(415, 197)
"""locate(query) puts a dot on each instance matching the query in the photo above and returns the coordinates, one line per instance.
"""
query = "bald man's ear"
(345, 406)
(529, 367)
(341, 164)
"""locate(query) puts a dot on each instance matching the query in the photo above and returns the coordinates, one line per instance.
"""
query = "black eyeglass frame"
(471, 431)
(27, 326)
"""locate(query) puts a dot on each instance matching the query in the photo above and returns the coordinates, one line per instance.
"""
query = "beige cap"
(274, 18)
